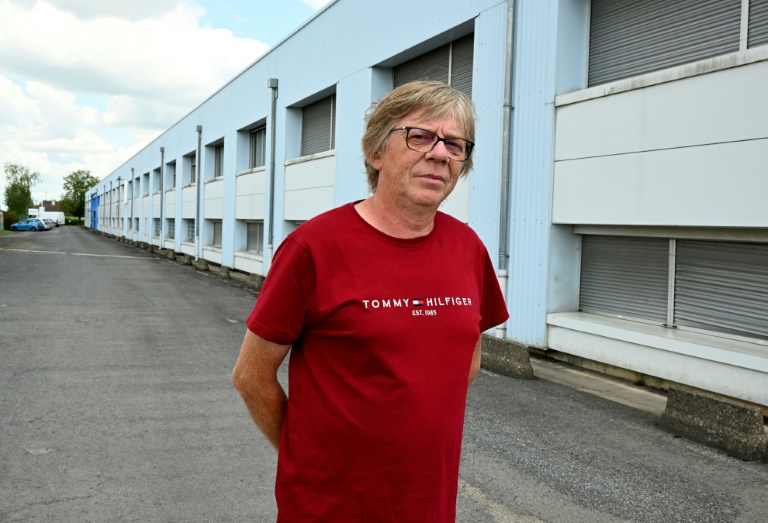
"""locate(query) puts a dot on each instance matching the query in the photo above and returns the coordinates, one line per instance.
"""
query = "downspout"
(506, 182)
(133, 195)
(272, 84)
(199, 183)
(162, 196)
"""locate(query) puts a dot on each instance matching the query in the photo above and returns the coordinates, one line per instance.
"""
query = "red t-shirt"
(382, 333)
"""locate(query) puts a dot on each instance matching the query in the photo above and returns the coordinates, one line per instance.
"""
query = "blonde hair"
(435, 99)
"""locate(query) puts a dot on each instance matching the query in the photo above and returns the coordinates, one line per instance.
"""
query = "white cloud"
(151, 61)
(316, 4)
(130, 9)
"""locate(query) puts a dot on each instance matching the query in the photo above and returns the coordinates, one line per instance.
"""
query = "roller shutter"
(630, 37)
(625, 277)
(722, 287)
(758, 23)
(429, 66)
(461, 67)
(450, 63)
(318, 126)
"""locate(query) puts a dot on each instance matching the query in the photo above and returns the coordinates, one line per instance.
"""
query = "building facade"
(619, 175)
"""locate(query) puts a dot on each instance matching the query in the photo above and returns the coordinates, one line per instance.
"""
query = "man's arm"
(255, 378)
(474, 368)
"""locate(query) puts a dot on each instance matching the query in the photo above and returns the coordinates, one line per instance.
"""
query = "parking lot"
(116, 405)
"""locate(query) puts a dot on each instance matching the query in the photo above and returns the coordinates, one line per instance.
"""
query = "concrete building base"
(506, 357)
(255, 281)
(729, 425)
(201, 265)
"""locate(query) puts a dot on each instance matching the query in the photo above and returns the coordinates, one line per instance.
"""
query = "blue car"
(33, 224)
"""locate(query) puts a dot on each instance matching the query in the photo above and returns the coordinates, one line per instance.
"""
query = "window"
(218, 161)
(216, 234)
(451, 63)
(171, 228)
(192, 167)
(137, 224)
(145, 185)
(702, 285)
(170, 176)
(156, 180)
(318, 133)
(257, 149)
(628, 38)
(156, 224)
(255, 238)
(190, 237)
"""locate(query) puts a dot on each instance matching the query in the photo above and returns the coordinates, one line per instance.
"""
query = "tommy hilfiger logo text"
(441, 301)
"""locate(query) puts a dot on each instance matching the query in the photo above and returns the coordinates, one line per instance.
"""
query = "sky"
(85, 84)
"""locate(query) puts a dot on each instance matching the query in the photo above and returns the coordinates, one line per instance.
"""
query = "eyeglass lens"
(424, 141)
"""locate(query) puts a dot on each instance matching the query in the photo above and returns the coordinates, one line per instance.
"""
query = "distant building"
(51, 206)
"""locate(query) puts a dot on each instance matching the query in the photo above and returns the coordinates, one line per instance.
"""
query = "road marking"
(499, 512)
(80, 254)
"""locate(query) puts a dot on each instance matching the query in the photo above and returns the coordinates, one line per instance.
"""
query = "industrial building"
(620, 177)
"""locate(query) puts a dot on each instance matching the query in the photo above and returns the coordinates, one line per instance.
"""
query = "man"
(382, 303)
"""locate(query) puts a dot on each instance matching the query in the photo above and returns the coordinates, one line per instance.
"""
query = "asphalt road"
(116, 405)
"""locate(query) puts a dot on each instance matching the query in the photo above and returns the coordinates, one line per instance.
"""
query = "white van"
(57, 217)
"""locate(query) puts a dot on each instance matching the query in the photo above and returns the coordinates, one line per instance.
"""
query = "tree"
(18, 187)
(76, 185)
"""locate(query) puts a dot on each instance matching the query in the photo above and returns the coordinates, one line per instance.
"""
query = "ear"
(375, 161)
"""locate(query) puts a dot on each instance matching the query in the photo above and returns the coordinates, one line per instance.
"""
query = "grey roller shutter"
(429, 66)
(722, 287)
(758, 23)
(625, 277)
(317, 129)
(630, 37)
(461, 66)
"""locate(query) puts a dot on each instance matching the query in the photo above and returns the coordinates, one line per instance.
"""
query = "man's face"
(410, 178)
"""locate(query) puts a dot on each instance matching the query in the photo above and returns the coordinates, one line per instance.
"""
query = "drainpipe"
(162, 196)
(133, 195)
(199, 184)
(119, 204)
(272, 84)
(506, 182)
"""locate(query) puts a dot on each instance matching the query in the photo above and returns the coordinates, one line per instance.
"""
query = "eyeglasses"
(423, 141)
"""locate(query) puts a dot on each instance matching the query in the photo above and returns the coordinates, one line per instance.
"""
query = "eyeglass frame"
(408, 129)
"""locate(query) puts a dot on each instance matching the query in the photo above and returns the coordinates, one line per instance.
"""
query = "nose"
(438, 152)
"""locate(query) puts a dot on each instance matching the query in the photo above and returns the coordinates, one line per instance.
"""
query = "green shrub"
(9, 218)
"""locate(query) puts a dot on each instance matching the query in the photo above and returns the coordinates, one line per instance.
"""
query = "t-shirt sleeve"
(286, 296)
(493, 309)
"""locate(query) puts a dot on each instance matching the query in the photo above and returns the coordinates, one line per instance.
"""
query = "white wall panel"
(156, 204)
(319, 172)
(170, 204)
(721, 185)
(309, 187)
(188, 202)
(724, 106)
(247, 263)
(250, 195)
(214, 201)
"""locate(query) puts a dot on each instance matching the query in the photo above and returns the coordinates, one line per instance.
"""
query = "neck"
(396, 221)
